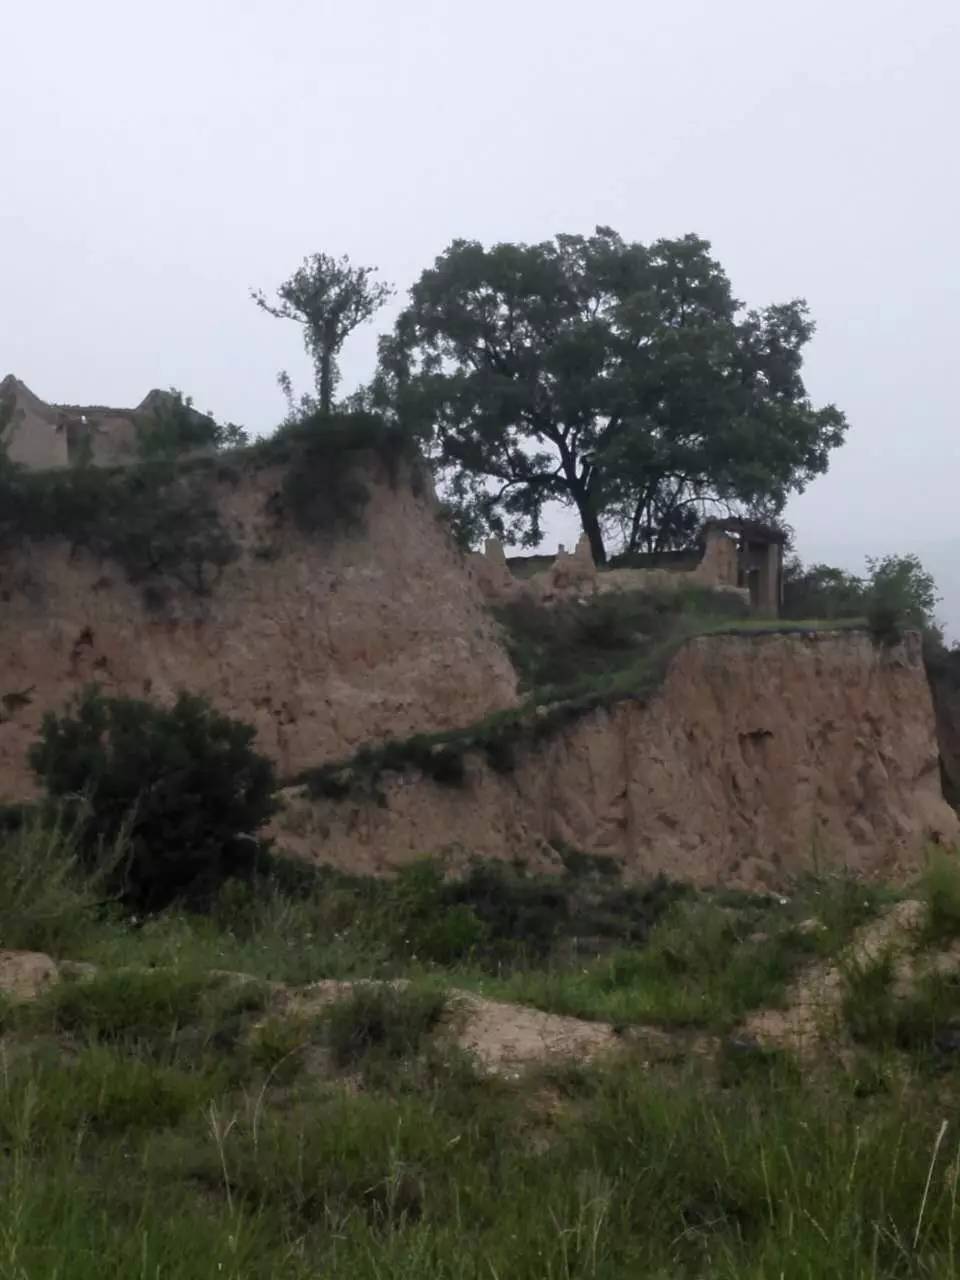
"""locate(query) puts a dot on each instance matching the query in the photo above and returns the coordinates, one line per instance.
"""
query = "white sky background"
(158, 159)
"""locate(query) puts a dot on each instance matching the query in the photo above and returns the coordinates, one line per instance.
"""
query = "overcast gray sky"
(158, 159)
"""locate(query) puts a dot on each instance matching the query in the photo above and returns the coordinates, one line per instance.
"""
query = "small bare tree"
(330, 297)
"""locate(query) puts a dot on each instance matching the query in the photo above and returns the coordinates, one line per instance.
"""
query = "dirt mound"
(501, 1037)
(24, 975)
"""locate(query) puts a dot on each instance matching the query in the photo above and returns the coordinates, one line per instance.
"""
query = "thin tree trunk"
(326, 377)
(591, 527)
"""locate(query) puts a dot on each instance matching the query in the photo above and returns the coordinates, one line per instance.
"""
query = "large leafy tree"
(329, 297)
(622, 379)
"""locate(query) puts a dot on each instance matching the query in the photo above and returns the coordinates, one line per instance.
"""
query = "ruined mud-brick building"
(38, 435)
(742, 557)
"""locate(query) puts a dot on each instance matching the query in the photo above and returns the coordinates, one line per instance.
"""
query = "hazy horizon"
(166, 160)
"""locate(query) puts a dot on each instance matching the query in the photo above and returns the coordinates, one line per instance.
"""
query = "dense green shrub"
(124, 1005)
(327, 458)
(182, 786)
(896, 593)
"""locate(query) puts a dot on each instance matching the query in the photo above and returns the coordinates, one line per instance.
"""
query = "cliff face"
(760, 758)
(322, 643)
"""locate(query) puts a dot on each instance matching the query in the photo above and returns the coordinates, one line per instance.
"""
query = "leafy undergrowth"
(160, 1119)
(559, 645)
(709, 960)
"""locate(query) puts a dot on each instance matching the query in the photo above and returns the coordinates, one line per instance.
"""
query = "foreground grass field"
(160, 1119)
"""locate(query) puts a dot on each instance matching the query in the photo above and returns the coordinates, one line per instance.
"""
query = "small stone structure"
(759, 560)
(741, 557)
(40, 436)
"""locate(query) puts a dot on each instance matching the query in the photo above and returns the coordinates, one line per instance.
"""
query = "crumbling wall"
(33, 438)
(42, 436)
(760, 759)
(574, 574)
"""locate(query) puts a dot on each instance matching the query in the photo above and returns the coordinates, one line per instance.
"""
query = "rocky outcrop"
(760, 758)
(323, 642)
(25, 975)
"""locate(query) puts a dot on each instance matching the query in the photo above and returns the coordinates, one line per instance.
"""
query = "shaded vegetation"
(561, 645)
(173, 427)
(153, 519)
(896, 593)
(708, 960)
(385, 1021)
(181, 788)
(327, 457)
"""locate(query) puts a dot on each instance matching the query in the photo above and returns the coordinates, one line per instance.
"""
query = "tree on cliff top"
(897, 586)
(330, 297)
(622, 379)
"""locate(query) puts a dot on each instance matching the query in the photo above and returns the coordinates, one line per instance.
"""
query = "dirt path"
(812, 1015)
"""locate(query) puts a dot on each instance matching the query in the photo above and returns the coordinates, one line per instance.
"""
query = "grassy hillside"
(163, 1119)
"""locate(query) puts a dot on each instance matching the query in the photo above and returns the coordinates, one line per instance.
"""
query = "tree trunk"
(326, 377)
(591, 527)
(579, 491)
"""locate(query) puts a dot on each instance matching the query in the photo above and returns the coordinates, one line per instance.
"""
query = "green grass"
(117, 1168)
(47, 902)
(940, 889)
(383, 1021)
(160, 1122)
(708, 961)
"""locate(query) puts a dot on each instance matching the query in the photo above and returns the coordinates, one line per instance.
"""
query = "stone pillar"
(768, 586)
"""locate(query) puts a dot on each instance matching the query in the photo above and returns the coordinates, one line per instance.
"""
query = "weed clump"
(500, 917)
(49, 893)
(387, 1021)
(124, 1005)
(940, 887)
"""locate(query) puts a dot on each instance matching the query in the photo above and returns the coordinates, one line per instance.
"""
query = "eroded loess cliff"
(323, 642)
(761, 757)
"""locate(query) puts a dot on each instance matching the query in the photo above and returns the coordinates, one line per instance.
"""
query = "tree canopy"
(330, 297)
(622, 379)
(896, 584)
